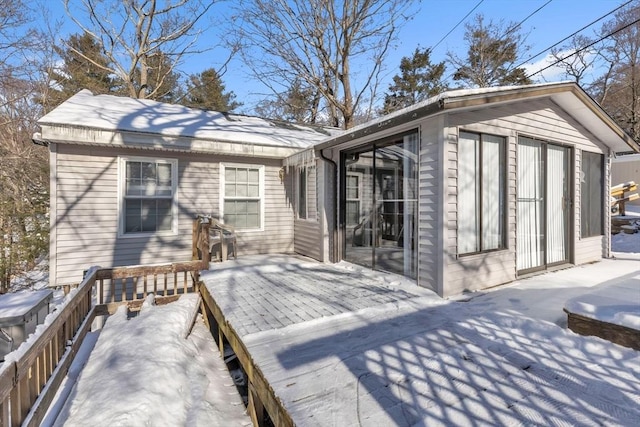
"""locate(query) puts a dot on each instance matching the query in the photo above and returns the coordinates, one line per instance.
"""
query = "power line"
(523, 21)
(457, 25)
(584, 48)
(510, 30)
(573, 34)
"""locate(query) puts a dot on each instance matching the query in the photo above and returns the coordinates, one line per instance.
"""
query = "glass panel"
(557, 209)
(242, 214)
(468, 193)
(254, 176)
(380, 224)
(253, 190)
(302, 193)
(530, 204)
(591, 188)
(132, 210)
(359, 215)
(492, 191)
(242, 175)
(164, 179)
(230, 174)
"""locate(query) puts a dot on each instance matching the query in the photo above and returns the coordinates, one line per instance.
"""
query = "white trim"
(261, 190)
(174, 195)
(306, 170)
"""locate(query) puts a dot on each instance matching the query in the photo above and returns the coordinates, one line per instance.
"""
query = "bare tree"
(135, 33)
(335, 47)
(618, 88)
(24, 175)
(581, 59)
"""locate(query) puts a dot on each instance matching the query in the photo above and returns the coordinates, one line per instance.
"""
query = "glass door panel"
(380, 206)
(557, 203)
(543, 204)
(530, 204)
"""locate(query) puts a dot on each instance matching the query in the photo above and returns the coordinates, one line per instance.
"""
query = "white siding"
(85, 228)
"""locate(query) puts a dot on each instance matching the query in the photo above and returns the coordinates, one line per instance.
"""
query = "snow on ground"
(623, 242)
(497, 356)
(142, 371)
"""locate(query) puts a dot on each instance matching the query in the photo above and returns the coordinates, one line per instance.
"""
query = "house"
(128, 177)
(466, 190)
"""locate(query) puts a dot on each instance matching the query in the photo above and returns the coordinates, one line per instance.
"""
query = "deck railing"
(131, 285)
(28, 384)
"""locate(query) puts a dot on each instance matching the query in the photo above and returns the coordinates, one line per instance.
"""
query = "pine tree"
(419, 79)
(205, 90)
(84, 66)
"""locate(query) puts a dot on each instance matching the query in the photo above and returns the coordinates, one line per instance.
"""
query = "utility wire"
(509, 31)
(457, 25)
(584, 48)
(573, 34)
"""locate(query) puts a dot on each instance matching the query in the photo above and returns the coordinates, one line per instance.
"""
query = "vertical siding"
(86, 220)
(430, 205)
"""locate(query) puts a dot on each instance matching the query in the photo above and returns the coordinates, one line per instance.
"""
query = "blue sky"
(433, 20)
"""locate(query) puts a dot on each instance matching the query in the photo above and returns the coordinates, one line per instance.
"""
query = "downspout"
(334, 254)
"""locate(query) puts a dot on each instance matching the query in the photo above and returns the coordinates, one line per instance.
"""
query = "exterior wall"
(430, 205)
(307, 232)
(533, 118)
(84, 216)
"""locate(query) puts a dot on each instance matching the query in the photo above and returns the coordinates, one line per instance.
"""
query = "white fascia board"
(149, 141)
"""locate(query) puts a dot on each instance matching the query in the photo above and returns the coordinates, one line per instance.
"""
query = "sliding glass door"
(543, 204)
(379, 205)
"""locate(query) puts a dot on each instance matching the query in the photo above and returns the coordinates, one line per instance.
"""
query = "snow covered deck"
(338, 345)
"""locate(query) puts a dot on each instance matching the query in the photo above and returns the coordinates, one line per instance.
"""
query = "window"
(591, 188)
(148, 189)
(242, 196)
(306, 188)
(352, 207)
(302, 193)
(481, 192)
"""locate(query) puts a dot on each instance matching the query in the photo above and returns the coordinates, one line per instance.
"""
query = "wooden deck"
(253, 296)
(327, 345)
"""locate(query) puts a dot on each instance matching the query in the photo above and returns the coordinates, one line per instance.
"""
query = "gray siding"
(85, 220)
(533, 118)
(430, 205)
(307, 232)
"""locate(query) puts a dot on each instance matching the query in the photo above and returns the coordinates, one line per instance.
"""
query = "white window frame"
(358, 199)
(261, 192)
(122, 180)
(306, 171)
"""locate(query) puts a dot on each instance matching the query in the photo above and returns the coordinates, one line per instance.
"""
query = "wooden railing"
(28, 384)
(131, 285)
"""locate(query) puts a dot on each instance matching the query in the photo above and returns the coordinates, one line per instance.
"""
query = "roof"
(121, 114)
(568, 95)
